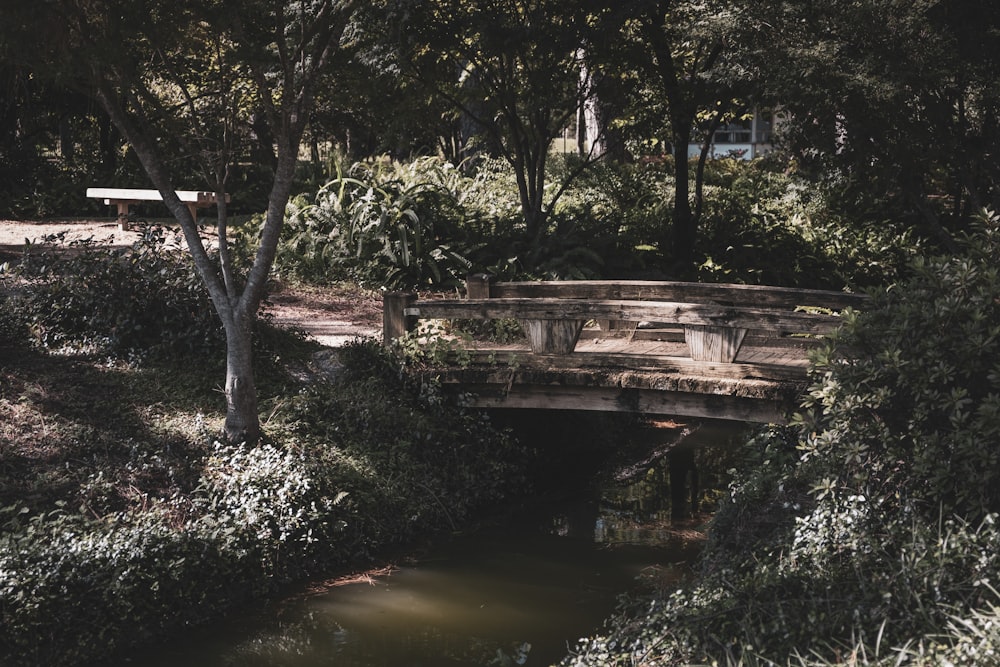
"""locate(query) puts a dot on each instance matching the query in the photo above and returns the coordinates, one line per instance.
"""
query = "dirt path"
(331, 315)
(13, 233)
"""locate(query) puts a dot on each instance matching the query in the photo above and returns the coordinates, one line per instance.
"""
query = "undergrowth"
(866, 532)
(122, 520)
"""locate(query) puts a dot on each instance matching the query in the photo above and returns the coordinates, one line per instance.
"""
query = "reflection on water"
(517, 594)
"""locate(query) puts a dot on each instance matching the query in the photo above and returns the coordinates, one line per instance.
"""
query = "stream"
(515, 592)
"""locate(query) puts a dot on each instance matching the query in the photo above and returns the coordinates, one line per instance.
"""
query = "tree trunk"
(242, 421)
(684, 223)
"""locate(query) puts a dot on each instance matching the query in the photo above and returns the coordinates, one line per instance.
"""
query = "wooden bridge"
(735, 352)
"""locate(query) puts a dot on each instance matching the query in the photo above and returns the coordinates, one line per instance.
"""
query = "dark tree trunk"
(108, 148)
(684, 223)
(67, 145)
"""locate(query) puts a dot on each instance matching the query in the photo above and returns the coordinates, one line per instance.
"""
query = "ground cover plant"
(123, 519)
(865, 533)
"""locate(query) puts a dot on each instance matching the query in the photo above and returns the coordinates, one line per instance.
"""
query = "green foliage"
(430, 458)
(427, 224)
(869, 527)
(764, 226)
(13, 332)
(433, 343)
(143, 300)
(37, 188)
(603, 224)
(382, 224)
(364, 461)
(931, 166)
(919, 385)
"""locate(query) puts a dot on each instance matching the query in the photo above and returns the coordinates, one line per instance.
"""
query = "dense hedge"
(144, 300)
(427, 223)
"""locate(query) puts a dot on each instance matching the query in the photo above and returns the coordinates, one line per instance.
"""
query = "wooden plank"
(778, 370)
(650, 290)
(682, 313)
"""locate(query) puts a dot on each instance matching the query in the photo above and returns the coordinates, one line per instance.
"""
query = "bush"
(74, 589)
(380, 224)
(13, 332)
(869, 527)
(916, 399)
(766, 227)
(427, 459)
(145, 300)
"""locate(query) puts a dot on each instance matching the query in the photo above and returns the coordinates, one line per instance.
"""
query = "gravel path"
(13, 233)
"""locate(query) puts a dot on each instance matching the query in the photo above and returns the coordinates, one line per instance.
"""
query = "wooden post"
(684, 488)
(395, 322)
(479, 286)
(552, 336)
(708, 343)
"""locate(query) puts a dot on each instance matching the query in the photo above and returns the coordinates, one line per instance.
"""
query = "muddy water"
(519, 592)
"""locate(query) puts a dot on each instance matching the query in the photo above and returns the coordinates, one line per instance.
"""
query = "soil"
(330, 315)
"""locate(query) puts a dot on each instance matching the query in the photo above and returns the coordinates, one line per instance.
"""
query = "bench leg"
(122, 216)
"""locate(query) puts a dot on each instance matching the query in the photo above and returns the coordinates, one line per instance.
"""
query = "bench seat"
(123, 197)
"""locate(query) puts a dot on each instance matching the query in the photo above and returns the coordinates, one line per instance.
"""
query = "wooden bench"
(714, 318)
(123, 197)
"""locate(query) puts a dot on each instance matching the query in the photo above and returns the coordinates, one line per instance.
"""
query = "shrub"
(766, 227)
(381, 224)
(73, 590)
(367, 461)
(13, 332)
(426, 458)
(911, 401)
(143, 300)
(868, 527)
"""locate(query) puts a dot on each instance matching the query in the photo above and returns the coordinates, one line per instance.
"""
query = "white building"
(743, 139)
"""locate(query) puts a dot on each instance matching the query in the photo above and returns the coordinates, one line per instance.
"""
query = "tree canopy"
(181, 82)
(892, 105)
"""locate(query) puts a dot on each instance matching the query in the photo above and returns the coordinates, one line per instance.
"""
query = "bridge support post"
(710, 343)
(684, 486)
(479, 286)
(395, 322)
(552, 336)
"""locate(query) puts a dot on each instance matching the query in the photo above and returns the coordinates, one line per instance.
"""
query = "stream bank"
(519, 588)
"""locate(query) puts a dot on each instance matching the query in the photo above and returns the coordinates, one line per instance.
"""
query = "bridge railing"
(715, 318)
